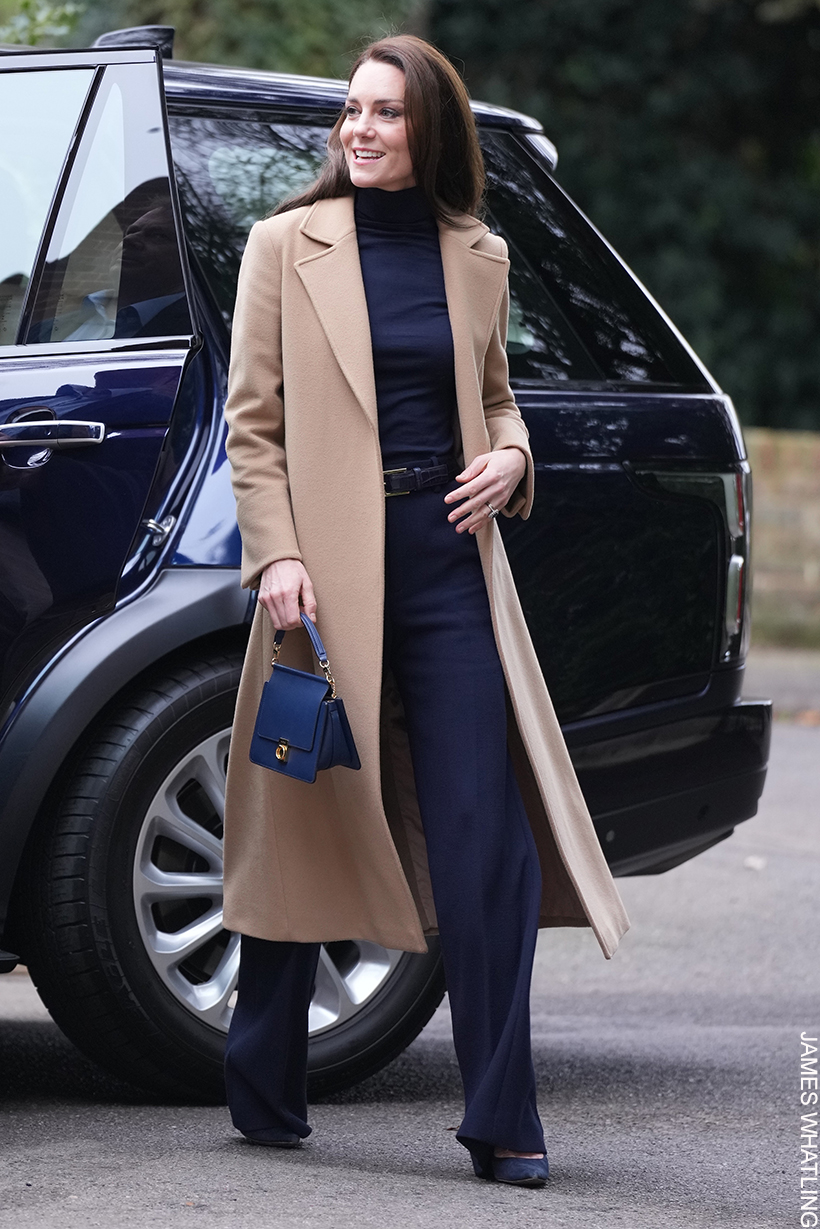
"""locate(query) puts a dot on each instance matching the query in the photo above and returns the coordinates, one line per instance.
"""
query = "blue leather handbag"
(301, 726)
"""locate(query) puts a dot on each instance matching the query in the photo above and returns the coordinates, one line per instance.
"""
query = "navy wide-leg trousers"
(439, 640)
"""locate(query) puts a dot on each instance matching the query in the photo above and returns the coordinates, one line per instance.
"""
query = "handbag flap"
(290, 706)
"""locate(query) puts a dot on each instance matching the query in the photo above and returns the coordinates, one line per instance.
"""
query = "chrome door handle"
(51, 433)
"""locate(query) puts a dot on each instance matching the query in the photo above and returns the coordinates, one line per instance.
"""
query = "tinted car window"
(230, 173)
(113, 266)
(38, 114)
(576, 314)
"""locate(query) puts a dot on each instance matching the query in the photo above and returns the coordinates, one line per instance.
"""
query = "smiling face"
(374, 132)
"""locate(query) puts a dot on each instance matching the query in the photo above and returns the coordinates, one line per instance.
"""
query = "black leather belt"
(416, 477)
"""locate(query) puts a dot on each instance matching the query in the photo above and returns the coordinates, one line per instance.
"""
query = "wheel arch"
(186, 609)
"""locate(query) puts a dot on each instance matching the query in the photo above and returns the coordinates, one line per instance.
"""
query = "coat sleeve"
(256, 415)
(505, 425)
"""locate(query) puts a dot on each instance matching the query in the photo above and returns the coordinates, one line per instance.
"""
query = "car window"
(113, 267)
(39, 111)
(542, 346)
(230, 173)
(576, 313)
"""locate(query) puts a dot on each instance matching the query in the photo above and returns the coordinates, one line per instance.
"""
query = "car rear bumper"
(659, 796)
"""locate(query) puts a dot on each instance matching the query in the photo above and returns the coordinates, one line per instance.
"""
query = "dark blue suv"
(127, 189)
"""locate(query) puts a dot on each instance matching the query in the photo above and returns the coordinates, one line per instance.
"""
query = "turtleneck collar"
(406, 207)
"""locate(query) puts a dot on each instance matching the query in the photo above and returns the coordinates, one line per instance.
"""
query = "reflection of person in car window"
(150, 300)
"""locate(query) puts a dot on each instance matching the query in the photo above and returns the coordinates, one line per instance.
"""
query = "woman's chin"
(365, 176)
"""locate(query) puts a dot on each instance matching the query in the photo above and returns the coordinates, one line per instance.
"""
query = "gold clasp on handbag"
(282, 748)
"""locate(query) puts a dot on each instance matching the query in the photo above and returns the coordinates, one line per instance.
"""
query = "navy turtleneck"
(409, 323)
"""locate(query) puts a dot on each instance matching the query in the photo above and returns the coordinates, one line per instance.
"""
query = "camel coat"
(345, 858)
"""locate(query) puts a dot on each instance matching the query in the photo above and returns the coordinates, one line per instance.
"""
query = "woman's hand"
(489, 479)
(282, 585)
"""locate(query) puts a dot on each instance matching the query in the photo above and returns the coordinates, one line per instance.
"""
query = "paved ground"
(668, 1080)
(790, 677)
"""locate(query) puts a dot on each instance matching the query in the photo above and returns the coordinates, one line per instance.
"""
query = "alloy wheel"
(177, 885)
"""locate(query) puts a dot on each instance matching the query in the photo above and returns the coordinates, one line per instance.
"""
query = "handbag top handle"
(318, 649)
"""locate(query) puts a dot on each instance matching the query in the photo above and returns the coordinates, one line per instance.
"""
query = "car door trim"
(33, 287)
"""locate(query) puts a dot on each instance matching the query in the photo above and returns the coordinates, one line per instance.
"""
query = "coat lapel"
(474, 282)
(332, 278)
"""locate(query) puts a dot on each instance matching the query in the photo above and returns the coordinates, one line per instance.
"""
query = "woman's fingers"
(489, 489)
(281, 608)
(475, 467)
(281, 585)
(476, 520)
(476, 516)
(467, 477)
(489, 480)
(475, 504)
(308, 598)
(290, 608)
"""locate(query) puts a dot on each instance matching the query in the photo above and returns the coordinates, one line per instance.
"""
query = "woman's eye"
(388, 112)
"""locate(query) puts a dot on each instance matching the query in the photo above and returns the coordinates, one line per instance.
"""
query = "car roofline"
(225, 85)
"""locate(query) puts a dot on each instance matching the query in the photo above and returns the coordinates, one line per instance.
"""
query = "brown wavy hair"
(441, 133)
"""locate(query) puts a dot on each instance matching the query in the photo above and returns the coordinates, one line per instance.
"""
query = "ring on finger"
(493, 513)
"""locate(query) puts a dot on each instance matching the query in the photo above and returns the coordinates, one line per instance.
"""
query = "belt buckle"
(403, 469)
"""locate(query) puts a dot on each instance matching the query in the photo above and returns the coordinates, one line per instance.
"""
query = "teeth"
(364, 157)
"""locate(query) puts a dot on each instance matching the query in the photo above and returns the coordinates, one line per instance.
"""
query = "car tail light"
(732, 493)
(741, 502)
(735, 585)
(738, 500)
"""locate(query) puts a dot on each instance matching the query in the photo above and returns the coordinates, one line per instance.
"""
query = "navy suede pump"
(521, 1170)
(273, 1139)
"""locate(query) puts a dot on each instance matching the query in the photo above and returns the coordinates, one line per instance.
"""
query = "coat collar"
(330, 220)
(474, 282)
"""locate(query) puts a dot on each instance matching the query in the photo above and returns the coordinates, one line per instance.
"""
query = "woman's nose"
(363, 126)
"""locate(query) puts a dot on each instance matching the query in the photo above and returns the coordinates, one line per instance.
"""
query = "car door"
(630, 569)
(95, 334)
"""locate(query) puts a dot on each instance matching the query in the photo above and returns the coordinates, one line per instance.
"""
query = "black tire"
(91, 937)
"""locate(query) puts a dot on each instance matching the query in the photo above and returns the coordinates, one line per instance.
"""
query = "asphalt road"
(789, 677)
(668, 1080)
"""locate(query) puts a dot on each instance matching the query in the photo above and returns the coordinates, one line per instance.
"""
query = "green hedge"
(690, 133)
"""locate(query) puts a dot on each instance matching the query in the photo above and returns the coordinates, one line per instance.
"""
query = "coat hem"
(393, 942)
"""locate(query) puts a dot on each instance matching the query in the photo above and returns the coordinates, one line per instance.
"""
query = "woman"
(368, 362)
